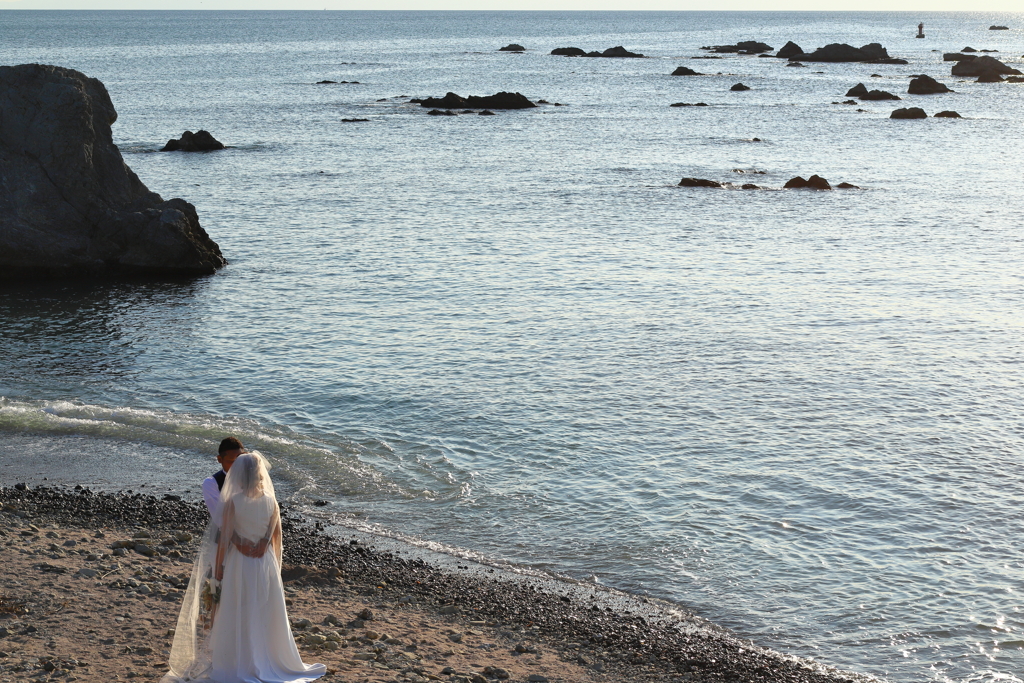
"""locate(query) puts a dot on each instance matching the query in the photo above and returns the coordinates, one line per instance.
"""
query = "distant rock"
(512, 47)
(501, 100)
(908, 113)
(815, 182)
(857, 90)
(847, 186)
(618, 52)
(487, 112)
(878, 95)
(441, 112)
(685, 71)
(955, 57)
(327, 82)
(687, 104)
(968, 49)
(69, 205)
(795, 64)
(751, 47)
(698, 182)
(750, 186)
(354, 120)
(979, 65)
(926, 85)
(841, 52)
(788, 50)
(948, 115)
(739, 87)
(569, 52)
(200, 141)
(998, 28)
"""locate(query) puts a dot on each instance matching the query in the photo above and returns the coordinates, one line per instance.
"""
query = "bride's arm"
(275, 536)
(227, 529)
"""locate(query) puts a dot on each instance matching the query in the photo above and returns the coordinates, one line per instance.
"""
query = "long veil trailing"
(237, 629)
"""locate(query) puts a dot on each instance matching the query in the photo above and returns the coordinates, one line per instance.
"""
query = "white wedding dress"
(244, 636)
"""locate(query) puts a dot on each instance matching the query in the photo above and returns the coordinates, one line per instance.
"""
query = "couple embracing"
(233, 625)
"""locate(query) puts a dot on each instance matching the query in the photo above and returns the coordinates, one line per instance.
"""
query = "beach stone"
(449, 609)
(200, 141)
(371, 635)
(366, 615)
(909, 113)
(698, 182)
(364, 656)
(926, 85)
(536, 678)
(496, 672)
(87, 572)
(301, 623)
(314, 639)
(948, 115)
(455, 637)
(52, 534)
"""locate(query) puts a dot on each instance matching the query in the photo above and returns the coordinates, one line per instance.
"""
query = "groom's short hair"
(230, 444)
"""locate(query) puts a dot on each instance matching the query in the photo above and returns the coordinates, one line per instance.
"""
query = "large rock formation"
(841, 52)
(69, 205)
(980, 65)
(788, 50)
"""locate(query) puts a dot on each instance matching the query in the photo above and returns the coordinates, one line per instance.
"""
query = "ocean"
(514, 339)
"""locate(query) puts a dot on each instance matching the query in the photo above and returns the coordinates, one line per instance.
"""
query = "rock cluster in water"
(841, 52)
(201, 141)
(617, 51)
(69, 205)
(501, 100)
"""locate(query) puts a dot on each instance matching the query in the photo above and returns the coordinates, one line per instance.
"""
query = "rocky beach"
(93, 582)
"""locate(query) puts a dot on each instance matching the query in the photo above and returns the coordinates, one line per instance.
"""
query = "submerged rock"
(739, 87)
(69, 205)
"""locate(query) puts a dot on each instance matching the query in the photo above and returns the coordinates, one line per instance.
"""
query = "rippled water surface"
(513, 337)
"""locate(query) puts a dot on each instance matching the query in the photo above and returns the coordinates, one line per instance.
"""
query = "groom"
(230, 448)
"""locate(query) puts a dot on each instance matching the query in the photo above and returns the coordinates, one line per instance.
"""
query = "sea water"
(515, 339)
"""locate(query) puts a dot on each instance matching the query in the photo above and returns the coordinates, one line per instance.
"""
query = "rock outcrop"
(617, 51)
(698, 182)
(955, 56)
(512, 47)
(200, 141)
(908, 113)
(739, 87)
(926, 85)
(789, 50)
(948, 115)
(815, 182)
(977, 66)
(748, 47)
(998, 28)
(857, 90)
(685, 71)
(501, 100)
(874, 95)
(841, 52)
(69, 205)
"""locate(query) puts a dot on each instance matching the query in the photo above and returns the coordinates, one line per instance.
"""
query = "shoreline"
(472, 625)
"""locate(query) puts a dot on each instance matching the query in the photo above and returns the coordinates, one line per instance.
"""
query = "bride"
(233, 626)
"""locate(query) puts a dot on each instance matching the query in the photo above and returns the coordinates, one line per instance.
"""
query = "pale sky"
(1008, 6)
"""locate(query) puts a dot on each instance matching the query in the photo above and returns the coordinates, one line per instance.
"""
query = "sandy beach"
(92, 584)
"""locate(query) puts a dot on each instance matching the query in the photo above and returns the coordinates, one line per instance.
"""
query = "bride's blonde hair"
(249, 475)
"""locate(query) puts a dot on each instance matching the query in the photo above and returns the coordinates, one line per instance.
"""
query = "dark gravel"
(654, 645)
